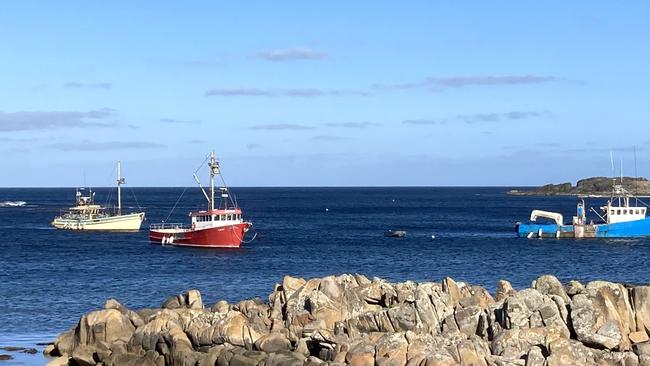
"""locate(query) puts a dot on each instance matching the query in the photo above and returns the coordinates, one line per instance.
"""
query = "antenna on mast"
(611, 158)
(120, 181)
(621, 171)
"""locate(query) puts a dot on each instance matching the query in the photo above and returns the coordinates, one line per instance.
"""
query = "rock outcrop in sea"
(356, 321)
(588, 186)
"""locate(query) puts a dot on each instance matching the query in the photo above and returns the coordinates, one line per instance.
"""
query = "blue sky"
(341, 93)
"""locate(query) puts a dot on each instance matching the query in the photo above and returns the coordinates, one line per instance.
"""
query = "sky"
(336, 93)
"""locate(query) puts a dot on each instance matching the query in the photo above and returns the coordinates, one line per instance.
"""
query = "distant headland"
(588, 186)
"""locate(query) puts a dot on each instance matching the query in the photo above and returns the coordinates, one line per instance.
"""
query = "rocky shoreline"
(353, 320)
(590, 186)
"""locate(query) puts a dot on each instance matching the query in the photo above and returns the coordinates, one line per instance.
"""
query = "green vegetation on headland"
(589, 186)
(356, 321)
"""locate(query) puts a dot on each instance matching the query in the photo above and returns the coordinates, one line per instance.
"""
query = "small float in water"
(618, 218)
(395, 233)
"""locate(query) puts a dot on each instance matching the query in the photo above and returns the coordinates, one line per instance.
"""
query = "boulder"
(83, 356)
(59, 361)
(273, 342)
(391, 350)
(64, 343)
(640, 297)
(504, 290)
(220, 307)
(550, 285)
(363, 354)
(602, 316)
(108, 325)
(535, 357)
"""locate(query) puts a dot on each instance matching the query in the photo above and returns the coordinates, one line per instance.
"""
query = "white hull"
(130, 222)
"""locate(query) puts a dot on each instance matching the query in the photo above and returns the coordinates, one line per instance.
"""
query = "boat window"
(643, 211)
(229, 217)
(624, 212)
(636, 211)
(618, 212)
(611, 212)
(223, 217)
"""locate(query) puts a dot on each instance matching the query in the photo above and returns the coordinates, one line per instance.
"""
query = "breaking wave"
(13, 203)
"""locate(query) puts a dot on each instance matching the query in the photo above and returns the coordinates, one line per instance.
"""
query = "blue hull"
(630, 229)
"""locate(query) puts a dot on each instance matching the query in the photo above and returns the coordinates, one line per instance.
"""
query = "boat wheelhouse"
(220, 226)
(620, 217)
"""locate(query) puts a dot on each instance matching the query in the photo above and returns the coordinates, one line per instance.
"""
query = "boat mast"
(120, 181)
(214, 170)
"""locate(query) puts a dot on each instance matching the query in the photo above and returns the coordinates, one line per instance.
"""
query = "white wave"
(13, 203)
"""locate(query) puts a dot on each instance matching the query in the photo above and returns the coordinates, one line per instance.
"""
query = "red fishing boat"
(220, 226)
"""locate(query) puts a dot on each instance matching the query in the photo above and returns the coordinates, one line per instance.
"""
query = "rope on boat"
(175, 204)
(135, 198)
(241, 239)
(185, 189)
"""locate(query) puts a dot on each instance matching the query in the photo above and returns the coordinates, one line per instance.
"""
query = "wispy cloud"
(24, 121)
(466, 81)
(293, 92)
(87, 145)
(238, 92)
(252, 146)
(197, 142)
(354, 124)
(328, 138)
(480, 118)
(282, 126)
(180, 121)
(422, 122)
(291, 54)
(78, 85)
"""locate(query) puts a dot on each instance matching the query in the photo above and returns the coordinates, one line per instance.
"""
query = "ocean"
(49, 278)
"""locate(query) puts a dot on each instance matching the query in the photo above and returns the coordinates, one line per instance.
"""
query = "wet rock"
(6, 357)
(49, 350)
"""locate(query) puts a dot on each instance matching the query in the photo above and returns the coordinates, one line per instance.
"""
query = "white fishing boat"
(86, 215)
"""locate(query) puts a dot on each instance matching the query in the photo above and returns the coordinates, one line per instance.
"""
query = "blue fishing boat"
(618, 218)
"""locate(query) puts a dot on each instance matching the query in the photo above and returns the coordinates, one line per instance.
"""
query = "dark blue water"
(49, 278)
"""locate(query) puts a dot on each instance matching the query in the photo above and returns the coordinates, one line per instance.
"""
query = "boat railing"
(165, 225)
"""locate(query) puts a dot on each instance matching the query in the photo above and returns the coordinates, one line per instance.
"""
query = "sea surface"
(49, 278)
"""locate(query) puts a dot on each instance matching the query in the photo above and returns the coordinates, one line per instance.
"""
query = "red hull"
(230, 236)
